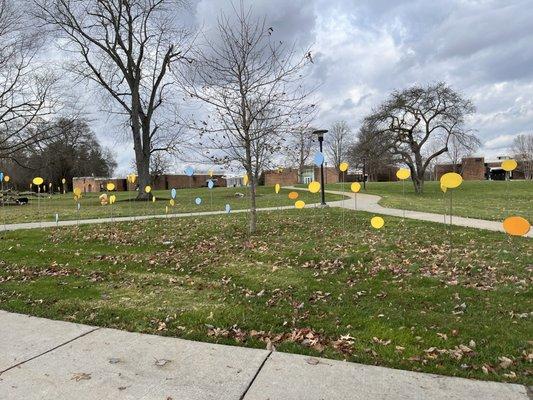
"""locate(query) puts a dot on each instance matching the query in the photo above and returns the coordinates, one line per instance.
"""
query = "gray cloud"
(363, 49)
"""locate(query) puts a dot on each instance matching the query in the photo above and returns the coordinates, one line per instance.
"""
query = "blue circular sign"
(319, 159)
(210, 184)
(198, 200)
(228, 208)
(173, 193)
(189, 171)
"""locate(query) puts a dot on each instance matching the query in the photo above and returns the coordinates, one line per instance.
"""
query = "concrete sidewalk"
(44, 359)
(359, 202)
(370, 203)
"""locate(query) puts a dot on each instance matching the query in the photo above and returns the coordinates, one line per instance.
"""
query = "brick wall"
(288, 176)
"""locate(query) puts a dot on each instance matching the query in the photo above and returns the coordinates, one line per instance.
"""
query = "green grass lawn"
(493, 200)
(90, 207)
(312, 281)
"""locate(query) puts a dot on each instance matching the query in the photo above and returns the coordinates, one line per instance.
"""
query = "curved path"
(359, 202)
(369, 203)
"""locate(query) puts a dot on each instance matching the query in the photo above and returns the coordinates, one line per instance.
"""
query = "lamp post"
(320, 135)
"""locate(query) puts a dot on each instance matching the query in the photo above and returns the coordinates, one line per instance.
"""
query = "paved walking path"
(359, 201)
(369, 203)
(42, 359)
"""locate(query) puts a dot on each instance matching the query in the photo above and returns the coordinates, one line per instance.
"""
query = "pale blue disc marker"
(173, 193)
(210, 184)
(228, 208)
(189, 171)
(198, 200)
(319, 158)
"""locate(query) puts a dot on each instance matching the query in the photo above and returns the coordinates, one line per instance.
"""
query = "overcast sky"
(364, 49)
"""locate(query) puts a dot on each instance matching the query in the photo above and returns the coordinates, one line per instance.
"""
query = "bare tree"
(298, 147)
(337, 143)
(522, 149)
(253, 86)
(127, 47)
(159, 164)
(368, 152)
(412, 119)
(460, 147)
(25, 86)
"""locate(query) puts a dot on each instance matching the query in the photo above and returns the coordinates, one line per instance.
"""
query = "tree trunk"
(253, 210)
(418, 182)
(141, 144)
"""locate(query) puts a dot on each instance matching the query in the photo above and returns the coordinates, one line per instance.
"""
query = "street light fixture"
(320, 135)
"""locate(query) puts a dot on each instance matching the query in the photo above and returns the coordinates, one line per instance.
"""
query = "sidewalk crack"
(255, 376)
(49, 350)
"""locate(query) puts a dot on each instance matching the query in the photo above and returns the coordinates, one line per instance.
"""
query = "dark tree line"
(72, 150)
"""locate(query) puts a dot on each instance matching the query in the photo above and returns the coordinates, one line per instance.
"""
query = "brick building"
(167, 182)
(289, 176)
(476, 168)
(91, 184)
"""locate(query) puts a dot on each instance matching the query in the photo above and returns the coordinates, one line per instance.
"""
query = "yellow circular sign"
(516, 226)
(343, 167)
(132, 178)
(356, 186)
(112, 199)
(77, 191)
(172, 202)
(277, 188)
(38, 181)
(451, 180)
(63, 181)
(403, 173)
(377, 222)
(293, 195)
(110, 186)
(299, 204)
(509, 165)
(314, 187)
(210, 173)
(7, 178)
(148, 189)
(153, 199)
(245, 179)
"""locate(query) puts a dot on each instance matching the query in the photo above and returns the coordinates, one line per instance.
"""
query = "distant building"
(92, 184)
(289, 176)
(476, 168)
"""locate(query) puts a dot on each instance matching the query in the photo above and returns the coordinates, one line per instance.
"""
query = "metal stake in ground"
(450, 180)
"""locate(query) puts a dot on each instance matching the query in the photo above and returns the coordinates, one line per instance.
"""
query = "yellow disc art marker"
(38, 181)
(172, 202)
(343, 167)
(299, 204)
(314, 187)
(77, 192)
(516, 226)
(293, 195)
(245, 179)
(377, 222)
(509, 165)
(110, 186)
(403, 173)
(153, 199)
(451, 180)
(148, 189)
(355, 187)
(277, 188)
(7, 178)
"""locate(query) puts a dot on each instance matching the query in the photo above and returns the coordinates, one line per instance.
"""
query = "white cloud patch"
(364, 49)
